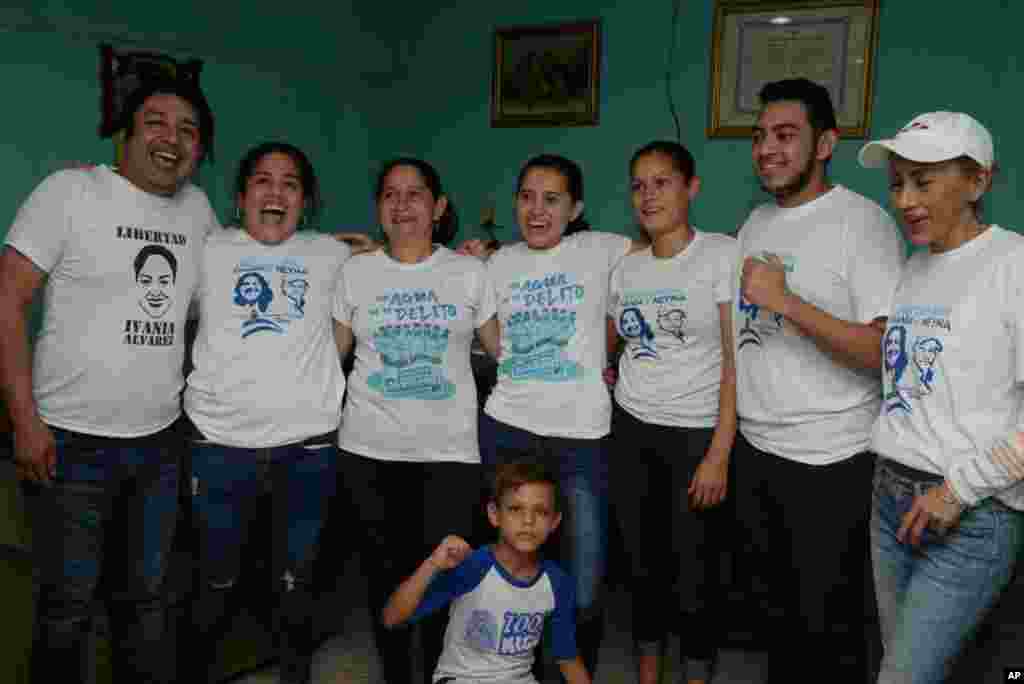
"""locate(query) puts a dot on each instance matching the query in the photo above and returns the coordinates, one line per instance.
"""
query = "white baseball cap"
(933, 137)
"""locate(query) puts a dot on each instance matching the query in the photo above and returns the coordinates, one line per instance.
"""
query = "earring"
(238, 215)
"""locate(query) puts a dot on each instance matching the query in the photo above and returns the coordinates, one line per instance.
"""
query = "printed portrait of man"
(294, 289)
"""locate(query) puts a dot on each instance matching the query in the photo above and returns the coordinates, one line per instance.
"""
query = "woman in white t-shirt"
(947, 524)
(410, 460)
(265, 396)
(674, 418)
(550, 401)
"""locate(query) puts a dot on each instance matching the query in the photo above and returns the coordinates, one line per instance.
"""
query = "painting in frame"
(546, 75)
(831, 42)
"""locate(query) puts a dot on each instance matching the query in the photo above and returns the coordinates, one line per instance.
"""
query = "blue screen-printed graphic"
(912, 352)
(536, 336)
(270, 294)
(411, 335)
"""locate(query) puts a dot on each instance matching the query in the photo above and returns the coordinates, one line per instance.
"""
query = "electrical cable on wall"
(668, 67)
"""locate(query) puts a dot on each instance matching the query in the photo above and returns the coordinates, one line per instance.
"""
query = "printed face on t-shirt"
(295, 290)
(155, 280)
(250, 287)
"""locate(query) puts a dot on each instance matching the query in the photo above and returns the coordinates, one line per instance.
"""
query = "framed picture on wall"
(546, 75)
(831, 42)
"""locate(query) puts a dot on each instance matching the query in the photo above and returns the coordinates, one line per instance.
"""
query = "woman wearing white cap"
(946, 517)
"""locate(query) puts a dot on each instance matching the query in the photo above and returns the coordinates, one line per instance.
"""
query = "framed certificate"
(831, 42)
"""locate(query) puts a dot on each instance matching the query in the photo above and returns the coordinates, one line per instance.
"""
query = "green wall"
(269, 73)
(356, 82)
(952, 56)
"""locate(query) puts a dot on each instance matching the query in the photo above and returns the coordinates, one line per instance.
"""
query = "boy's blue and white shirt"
(496, 619)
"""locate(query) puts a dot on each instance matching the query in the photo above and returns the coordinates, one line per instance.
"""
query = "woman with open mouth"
(265, 399)
(946, 521)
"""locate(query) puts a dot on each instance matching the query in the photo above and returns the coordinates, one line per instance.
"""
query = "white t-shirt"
(666, 311)
(953, 364)
(411, 394)
(122, 267)
(496, 620)
(844, 255)
(267, 371)
(552, 306)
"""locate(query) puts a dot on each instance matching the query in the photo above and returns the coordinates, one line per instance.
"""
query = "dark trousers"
(296, 481)
(107, 520)
(673, 550)
(809, 527)
(401, 511)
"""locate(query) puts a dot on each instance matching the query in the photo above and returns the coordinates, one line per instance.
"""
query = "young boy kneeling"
(500, 594)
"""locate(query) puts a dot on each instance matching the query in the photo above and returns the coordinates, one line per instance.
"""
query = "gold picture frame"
(546, 75)
(832, 42)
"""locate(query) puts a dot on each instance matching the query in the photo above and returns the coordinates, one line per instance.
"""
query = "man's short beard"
(796, 186)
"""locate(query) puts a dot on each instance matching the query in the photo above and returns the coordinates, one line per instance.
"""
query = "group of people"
(773, 368)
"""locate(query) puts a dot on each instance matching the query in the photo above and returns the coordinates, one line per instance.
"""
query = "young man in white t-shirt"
(116, 253)
(819, 268)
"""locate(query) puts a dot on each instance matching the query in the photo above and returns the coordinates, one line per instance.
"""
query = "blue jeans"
(228, 485)
(110, 513)
(932, 597)
(582, 469)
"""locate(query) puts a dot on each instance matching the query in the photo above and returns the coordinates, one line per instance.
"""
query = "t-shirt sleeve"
(614, 290)
(451, 584)
(40, 227)
(342, 251)
(983, 475)
(212, 222)
(616, 246)
(725, 276)
(563, 618)
(494, 270)
(1013, 313)
(343, 309)
(486, 300)
(875, 257)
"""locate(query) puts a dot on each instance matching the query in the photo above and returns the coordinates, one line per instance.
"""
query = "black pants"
(809, 527)
(673, 550)
(401, 512)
